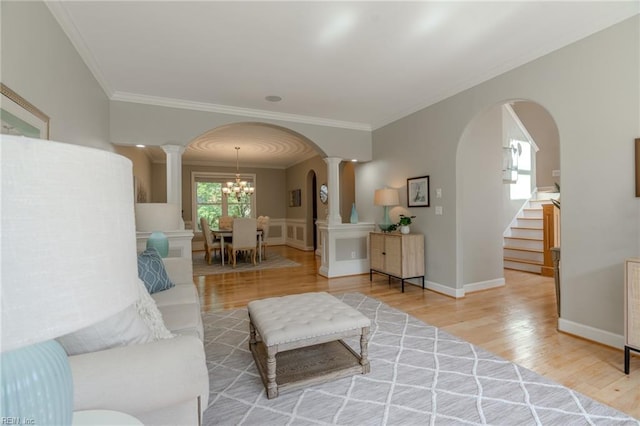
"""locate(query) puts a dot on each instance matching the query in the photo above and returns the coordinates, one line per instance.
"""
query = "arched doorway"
(483, 196)
(275, 159)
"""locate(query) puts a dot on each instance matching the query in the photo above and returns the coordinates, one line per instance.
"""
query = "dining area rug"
(420, 375)
(273, 261)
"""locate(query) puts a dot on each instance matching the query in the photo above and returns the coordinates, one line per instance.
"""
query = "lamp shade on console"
(386, 197)
(68, 262)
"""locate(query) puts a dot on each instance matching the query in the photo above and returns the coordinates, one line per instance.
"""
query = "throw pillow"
(124, 328)
(151, 271)
(151, 315)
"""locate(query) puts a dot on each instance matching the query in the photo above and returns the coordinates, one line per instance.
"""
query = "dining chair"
(210, 244)
(225, 222)
(263, 223)
(244, 239)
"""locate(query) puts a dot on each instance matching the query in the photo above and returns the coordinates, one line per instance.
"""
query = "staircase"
(524, 240)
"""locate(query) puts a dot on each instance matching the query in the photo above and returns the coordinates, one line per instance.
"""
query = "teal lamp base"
(159, 241)
(37, 386)
(385, 225)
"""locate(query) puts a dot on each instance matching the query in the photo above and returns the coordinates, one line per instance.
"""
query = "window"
(209, 201)
(521, 189)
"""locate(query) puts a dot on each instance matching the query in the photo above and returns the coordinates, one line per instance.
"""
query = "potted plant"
(404, 223)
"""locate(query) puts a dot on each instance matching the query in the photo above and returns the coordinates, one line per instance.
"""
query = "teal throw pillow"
(151, 271)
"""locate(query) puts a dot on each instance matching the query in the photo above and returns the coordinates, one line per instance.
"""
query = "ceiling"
(357, 65)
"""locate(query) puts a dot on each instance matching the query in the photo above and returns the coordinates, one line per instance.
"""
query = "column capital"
(173, 149)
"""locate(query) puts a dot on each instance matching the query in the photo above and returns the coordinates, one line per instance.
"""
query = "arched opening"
(485, 190)
(277, 161)
(312, 207)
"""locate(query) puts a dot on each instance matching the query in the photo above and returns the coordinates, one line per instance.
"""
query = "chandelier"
(238, 187)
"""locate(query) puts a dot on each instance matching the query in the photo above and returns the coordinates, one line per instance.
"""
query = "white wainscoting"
(296, 234)
(345, 249)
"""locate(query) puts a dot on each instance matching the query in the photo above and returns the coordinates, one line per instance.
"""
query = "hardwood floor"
(517, 321)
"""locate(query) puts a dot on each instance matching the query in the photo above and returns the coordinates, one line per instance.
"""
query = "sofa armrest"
(141, 378)
(179, 269)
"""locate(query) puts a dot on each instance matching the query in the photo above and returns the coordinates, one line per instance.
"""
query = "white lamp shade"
(386, 197)
(68, 238)
(158, 217)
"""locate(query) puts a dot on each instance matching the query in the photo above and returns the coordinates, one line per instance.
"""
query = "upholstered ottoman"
(305, 332)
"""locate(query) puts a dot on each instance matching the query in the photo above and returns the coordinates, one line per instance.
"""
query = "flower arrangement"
(405, 220)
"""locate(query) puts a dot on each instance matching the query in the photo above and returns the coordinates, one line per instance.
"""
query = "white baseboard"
(468, 288)
(483, 285)
(590, 333)
(444, 289)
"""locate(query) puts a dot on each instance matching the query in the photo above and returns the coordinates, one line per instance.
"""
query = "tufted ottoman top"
(287, 319)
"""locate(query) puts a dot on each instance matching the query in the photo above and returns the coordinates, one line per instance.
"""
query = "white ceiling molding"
(61, 15)
(244, 112)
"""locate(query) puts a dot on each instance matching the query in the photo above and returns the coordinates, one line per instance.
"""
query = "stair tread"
(523, 249)
(524, 238)
(530, 262)
(526, 227)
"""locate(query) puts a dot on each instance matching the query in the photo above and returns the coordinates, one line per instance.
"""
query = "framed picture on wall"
(20, 117)
(418, 191)
(295, 198)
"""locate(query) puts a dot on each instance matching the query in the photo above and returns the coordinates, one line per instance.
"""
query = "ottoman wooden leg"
(364, 350)
(272, 386)
(252, 333)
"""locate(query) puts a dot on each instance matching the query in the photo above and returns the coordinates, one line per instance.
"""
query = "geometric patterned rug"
(274, 260)
(419, 375)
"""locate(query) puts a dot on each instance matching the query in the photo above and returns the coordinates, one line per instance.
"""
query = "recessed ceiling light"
(273, 98)
(355, 160)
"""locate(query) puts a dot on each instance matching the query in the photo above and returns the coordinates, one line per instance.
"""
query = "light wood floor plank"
(517, 322)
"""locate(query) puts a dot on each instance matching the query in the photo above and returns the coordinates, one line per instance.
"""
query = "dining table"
(222, 233)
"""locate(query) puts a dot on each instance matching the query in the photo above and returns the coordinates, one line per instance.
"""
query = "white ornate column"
(333, 184)
(174, 173)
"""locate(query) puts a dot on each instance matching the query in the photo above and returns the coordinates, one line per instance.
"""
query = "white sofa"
(164, 382)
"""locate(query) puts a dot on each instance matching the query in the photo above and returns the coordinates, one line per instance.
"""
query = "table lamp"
(155, 218)
(68, 260)
(386, 197)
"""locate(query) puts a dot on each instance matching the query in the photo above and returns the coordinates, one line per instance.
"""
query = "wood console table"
(397, 255)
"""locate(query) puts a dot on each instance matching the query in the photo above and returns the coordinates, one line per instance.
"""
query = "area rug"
(419, 375)
(201, 267)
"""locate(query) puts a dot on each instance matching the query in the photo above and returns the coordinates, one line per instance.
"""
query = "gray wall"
(594, 99)
(41, 65)
(141, 171)
(479, 176)
(544, 132)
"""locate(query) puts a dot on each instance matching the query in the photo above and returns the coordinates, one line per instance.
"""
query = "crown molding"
(61, 15)
(244, 112)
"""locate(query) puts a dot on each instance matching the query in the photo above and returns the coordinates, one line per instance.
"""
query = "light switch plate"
(439, 193)
(439, 210)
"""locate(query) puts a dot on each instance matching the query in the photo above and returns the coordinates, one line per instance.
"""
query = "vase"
(405, 229)
(160, 242)
(354, 213)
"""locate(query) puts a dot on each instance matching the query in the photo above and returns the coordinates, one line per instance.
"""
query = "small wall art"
(418, 191)
(295, 198)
